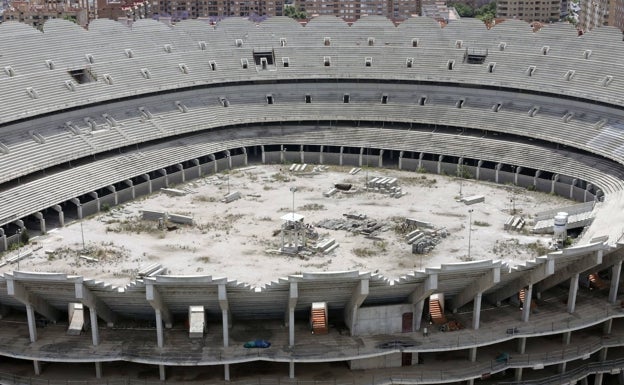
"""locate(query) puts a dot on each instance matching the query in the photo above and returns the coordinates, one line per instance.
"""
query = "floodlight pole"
(293, 190)
(227, 156)
(469, 230)
(82, 230)
(367, 157)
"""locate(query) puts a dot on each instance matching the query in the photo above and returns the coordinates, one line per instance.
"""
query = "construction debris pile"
(422, 235)
(385, 185)
(355, 223)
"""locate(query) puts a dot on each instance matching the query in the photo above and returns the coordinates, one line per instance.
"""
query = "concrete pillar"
(572, 293)
(340, 158)
(263, 154)
(440, 158)
(476, 311)
(603, 354)
(161, 370)
(472, 355)
(606, 328)
(164, 173)
(148, 179)
(225, 314)
(95, 332)
(181, 168)
(497, 169)
(98, 370)
(32, 325)
(3, 240)
(526, 308)
(567, 336)
(301, 154)
(586, 192)
(37, 367)
(196, 164)
(380, 161)
(478, 171)
(536, 177)
(518, 375)
(96, 198)
(113, 191)
(130, 185)
(291, 369)
(215, 166)
(360, 161)
(620, 378)
(521, 345)
(518, 169)
(228, 156)
(598, 379)
(76, 201)
(42, 225)
(321, 155)
(226, 372)
(571, 194)
(159, 329)
(292, 303)
(615, 281)
(555, 179)
(561, 368)
(420, 158)
(418, 314)
(282, 151)
(400, 160)
(245, 157)
(584, 381)
(470, 381)
(61, 215)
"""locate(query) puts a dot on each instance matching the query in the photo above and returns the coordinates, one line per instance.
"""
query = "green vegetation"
(481, 224)
(294, 13)
(486, 13)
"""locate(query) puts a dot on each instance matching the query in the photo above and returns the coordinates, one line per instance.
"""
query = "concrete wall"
(158, 183)
(175, 178)
(141, 189)
(392, 360)
(312, 157)
(381, 319)
(350, 160)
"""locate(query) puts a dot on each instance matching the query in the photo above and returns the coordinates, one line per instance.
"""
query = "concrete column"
(95, 332)
(440, 158)
(598, 379)
(380, 161)
(521, 345)
(3, 240)
(561, 368)
(606, 328)
(340, 158)
(476, 311)
(567, 336)
(32, 325)
(215, 166)
(584, 381)
(292, 303)
(148, 179)
(226, 372)
(98, 370)
(620, 378)
(321, 155)
(161, 370)
(518, 375)
(478, 171)
(360, 161)
(603, 354)
(518, 169)
(472, 355)
(497, 169)
(228, 156)
(418, 314)
(526, 307)
(301, 154)
(470, 381)
(555, 179)
(130, 184)
(571, 194)
(291, 369)
(76, 201)
(420, 158)
(263, 154)
(282, 158)
(586, 192)
(181, 168)
(42, 225)
(225, 314)
(245, 157)
(400, 160)
(615, 281)
(572, 293)
(196, 164)
(159, 329)
(96, 198)
(113, 191)
(536, 177)
(37, 367)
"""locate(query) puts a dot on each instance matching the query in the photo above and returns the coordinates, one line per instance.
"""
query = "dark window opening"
(384, 99)
(269, 99)
(345, 98)
(264, 58)
(308, 99)
(82, 76)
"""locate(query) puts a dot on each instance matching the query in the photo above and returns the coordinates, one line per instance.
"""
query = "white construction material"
(417, 223)
(88, 259)
(332, 191)
(560, 226)
(149, 270)
(76, 319)
(355, 170)
(197, 321)
(471, 200)
(231, 197)
(173, 192)
(149, 215)
(184, 219)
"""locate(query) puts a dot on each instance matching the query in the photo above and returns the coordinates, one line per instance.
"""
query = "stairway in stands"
(436, 311)
(318, 318)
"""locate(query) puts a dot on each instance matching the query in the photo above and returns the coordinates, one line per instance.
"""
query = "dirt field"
(239, 240)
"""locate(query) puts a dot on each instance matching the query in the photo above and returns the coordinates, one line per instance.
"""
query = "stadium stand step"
(318, 318)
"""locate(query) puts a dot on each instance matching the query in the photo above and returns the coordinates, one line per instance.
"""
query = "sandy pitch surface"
(238, 240)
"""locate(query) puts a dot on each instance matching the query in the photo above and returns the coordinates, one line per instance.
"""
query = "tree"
(294, 13)
(464, 10)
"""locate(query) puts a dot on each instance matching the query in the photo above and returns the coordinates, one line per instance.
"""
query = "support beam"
(521, 345)
(419, 307)
(616, 270)
(476, 311)
(473, 354)
(225, 314)
(37, 367)
(477, 287)
(418, 296)
(95, 331)
(359, 294)
(32, 323)
(90, 300)
(226, 372)
(161, 370)
(154, 298)
(537, 274)
(20, 293)
(572, 293)
(291, 369)
(587, 262)
(98, 370)
(292, 303)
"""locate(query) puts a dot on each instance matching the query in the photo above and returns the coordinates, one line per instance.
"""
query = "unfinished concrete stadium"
(94, 119)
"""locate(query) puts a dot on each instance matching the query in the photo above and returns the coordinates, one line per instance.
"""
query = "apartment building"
(529, 10)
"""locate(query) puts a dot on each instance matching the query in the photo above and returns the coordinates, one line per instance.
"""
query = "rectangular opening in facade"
(409, 62)
(384, 99)
(308, 99)
(268, 56)
(82, 75)
(269, 99)
(345, 98)
(422, 101)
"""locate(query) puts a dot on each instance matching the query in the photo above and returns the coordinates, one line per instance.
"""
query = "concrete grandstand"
(541, 110)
